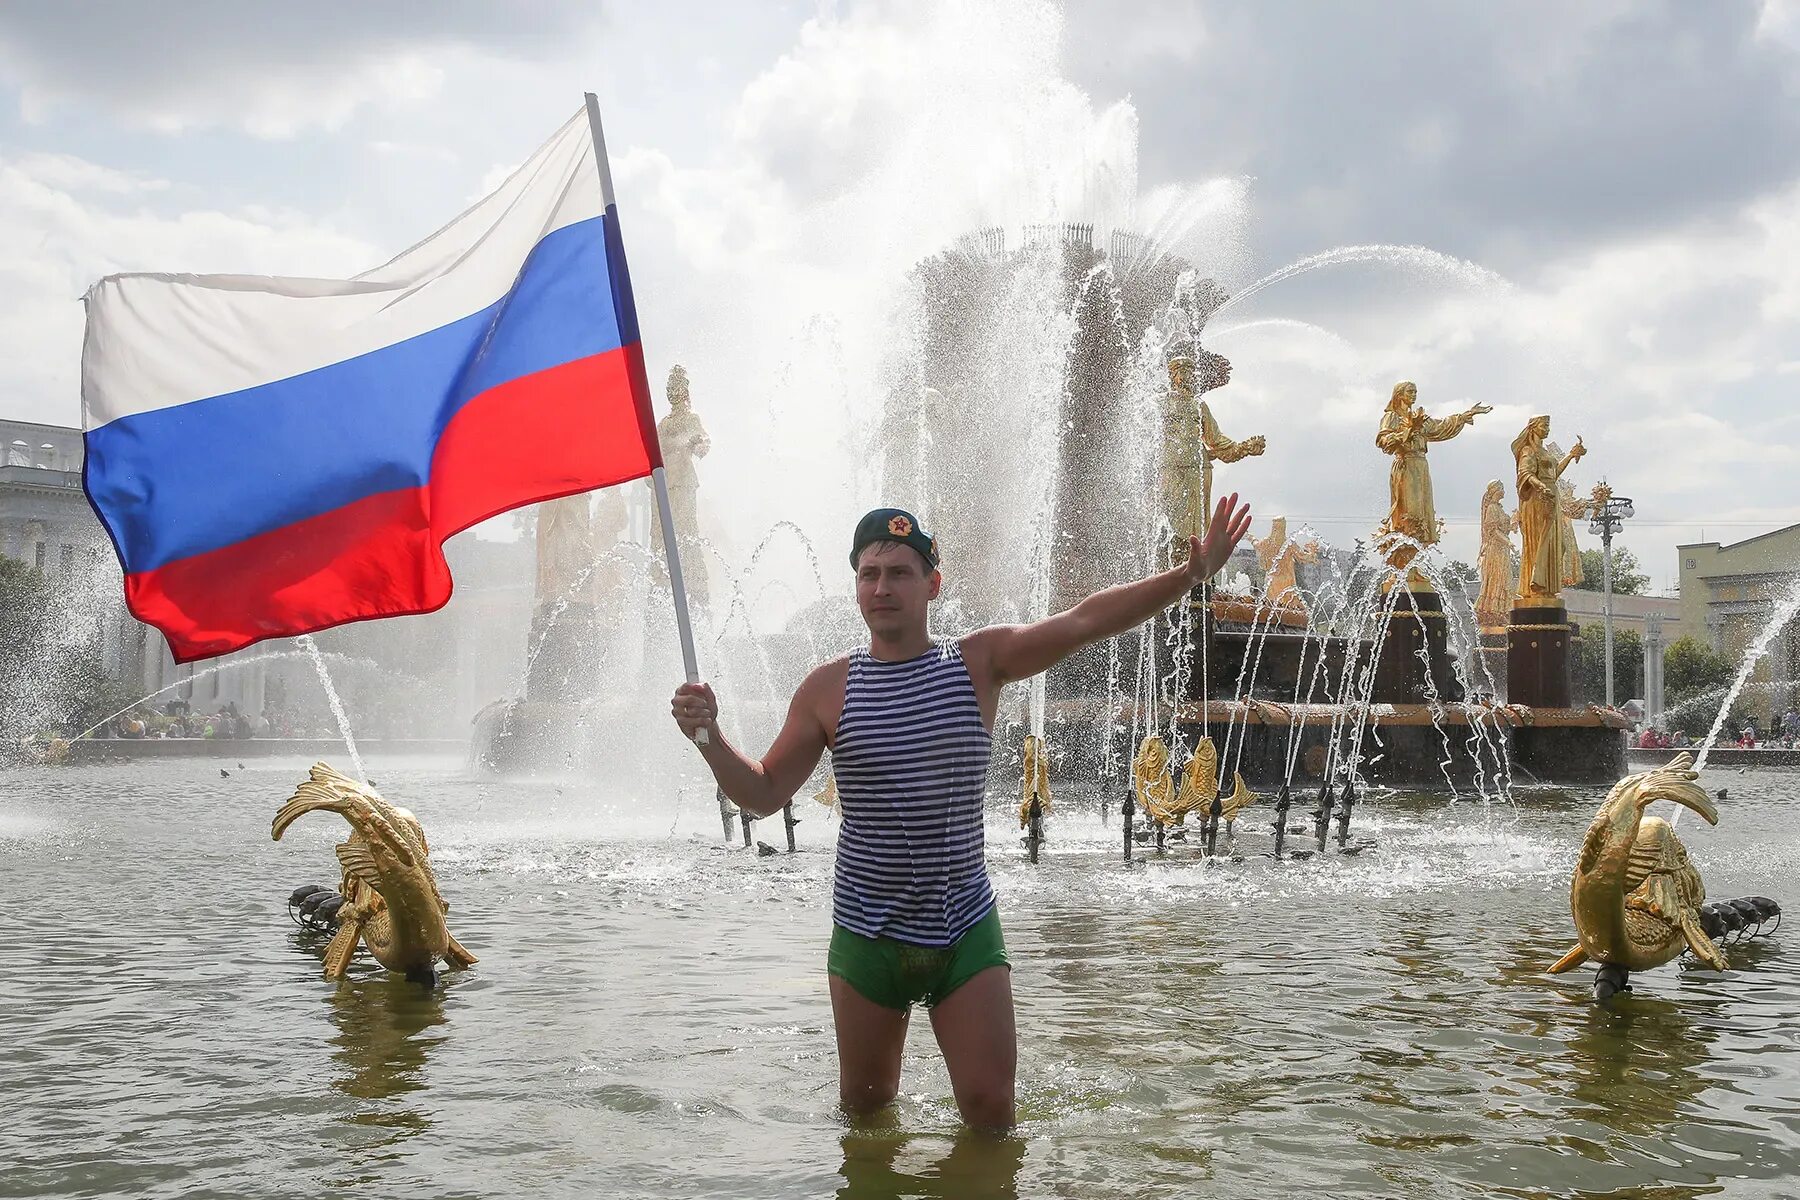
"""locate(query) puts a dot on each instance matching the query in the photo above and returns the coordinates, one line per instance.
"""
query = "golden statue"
(391, 899)
(565, 548)
(607, 527)
(1278, 558)
(828, 795)
(1570, 508)
(1151, 781)
(1635, 896)
(1036, 784)
(1200, 786)
(1192, 441)
(1241, 798)
(1540, 509)
(1495, 563)
(1406, 433)
(1199, 780)
(684, 443)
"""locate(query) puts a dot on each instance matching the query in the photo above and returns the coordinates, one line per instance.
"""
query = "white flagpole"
(659, 481)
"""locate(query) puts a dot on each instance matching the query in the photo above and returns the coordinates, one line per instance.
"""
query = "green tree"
(50, 659)
(1691, 669)
(1588, 666)
(1459, 574)
(24, 614)
(1628, 579)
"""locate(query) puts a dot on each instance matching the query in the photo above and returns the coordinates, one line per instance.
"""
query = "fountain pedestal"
(1493, 650)
(1538, 645)
(1418, 622)
(547, 729)
(567, 637)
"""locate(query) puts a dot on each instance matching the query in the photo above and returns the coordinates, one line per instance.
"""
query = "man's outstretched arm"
(1012, 652)
(762, 788)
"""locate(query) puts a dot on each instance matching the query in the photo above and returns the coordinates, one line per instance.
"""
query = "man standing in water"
(908, 723)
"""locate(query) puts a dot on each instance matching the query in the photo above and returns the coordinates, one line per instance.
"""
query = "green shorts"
(897, 974)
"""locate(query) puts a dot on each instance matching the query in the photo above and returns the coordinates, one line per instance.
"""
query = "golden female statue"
(1191, 443)
(1540, 512)
(1570, 509)
(1495, 563)
(1279, 557)
(684, 443)
(565, 547)
(1406, 433)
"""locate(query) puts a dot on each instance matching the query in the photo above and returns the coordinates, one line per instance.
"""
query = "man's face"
(893, 587)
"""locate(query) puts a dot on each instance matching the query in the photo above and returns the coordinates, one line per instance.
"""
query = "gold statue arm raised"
(1442, 429)
(1222, 448)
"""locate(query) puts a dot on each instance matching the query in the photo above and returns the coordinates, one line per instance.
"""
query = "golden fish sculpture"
(1199, 780)
(1200, 784)
(1036, 783)
(1635, 896)
(391, 900)
(1241, 798)
(1152, 782)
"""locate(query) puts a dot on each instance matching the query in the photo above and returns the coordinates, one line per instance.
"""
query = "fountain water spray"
(1784, 612)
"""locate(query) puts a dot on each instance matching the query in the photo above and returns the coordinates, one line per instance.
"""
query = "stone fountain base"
(1401, 746)
(532, 737)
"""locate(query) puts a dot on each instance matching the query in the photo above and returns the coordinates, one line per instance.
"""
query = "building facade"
(1730, 594)
(46, 523)
(1588, 609)
(422, 675)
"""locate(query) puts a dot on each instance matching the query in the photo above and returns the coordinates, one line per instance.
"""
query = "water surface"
(649, 1016)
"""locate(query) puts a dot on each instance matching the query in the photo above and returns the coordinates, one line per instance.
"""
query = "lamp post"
(1609, 513)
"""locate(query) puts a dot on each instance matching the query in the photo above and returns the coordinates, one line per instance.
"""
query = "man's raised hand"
(1230, 522)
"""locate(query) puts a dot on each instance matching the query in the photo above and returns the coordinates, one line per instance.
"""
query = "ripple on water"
(649, 1016)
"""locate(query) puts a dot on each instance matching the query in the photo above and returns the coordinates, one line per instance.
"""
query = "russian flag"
(274, 456)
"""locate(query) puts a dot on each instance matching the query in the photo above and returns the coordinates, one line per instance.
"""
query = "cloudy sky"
(1611, 192)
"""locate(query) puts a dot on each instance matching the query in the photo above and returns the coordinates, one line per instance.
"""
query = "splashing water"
(1288, 325)
(1415, 258)
(1784, 612)
(337, 705)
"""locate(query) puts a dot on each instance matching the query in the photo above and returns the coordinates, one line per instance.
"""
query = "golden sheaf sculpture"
(391, 899)
(1036, 784)
(1635, 896)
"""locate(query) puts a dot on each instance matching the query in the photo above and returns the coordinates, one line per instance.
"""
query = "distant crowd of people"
(177, 719)
(1783, 735)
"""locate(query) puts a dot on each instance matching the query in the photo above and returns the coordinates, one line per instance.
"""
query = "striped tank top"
(911, 762)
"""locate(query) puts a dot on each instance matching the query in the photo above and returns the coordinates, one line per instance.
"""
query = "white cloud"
(67, 173)
(79, 221)
(769, 253)
(273, 71)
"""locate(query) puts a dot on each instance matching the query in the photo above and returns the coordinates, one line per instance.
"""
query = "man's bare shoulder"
(822, 691)
(827, 675)
(821, 695)
(978, 648)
